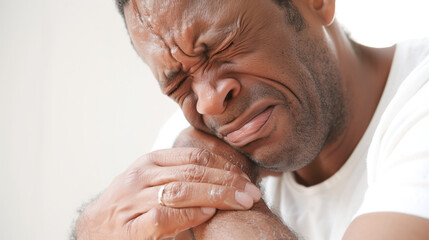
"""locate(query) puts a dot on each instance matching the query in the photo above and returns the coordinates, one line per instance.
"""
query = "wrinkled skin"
(249, 79)
(195, 180)
(217, 59)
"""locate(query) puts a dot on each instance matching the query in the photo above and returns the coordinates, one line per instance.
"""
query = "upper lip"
(244, 118)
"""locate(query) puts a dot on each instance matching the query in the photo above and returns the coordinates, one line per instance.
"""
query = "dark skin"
(249, 83)
(258, 221)
(307, 78)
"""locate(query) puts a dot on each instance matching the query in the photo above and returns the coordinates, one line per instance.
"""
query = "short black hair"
(293, 15)
(120, 4)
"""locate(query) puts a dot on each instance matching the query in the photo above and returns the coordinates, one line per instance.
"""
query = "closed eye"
(177, 86)
(224, 49)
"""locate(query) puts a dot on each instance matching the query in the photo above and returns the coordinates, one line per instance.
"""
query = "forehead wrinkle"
(145, 23)
(195, 23)
(193, 26)
(144, 18)
(184, 29)
(201, 31)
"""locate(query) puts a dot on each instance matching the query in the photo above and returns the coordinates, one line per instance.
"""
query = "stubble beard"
(322, 123)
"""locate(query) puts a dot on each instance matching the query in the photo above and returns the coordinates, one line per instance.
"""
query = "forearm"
(256, 223)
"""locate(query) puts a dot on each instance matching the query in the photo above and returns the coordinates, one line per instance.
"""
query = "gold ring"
(160, 193)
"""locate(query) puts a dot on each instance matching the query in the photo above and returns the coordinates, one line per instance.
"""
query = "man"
(274, 86)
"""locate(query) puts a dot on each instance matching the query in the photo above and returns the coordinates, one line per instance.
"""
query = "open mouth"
(250, 130)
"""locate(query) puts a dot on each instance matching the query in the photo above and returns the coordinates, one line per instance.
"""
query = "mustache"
(242, 102)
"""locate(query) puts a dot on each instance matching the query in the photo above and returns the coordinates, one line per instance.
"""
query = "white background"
(77, 106)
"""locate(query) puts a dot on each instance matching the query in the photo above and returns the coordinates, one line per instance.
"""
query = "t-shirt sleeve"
(398, 161)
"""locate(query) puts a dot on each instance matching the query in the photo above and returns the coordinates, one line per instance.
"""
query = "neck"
(364, 72)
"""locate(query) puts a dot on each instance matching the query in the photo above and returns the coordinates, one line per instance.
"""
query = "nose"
(213, 97)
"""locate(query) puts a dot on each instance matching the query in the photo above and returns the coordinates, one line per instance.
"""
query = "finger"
(197, 156)
(165, 222)
(186, 194)
(194, 173)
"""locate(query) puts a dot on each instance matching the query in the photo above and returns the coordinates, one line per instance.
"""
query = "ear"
(325, 9)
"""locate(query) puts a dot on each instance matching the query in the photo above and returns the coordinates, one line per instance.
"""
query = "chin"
(290, 153)
(283, 161)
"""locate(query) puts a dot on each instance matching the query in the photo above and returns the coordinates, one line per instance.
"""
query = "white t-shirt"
(388, 171)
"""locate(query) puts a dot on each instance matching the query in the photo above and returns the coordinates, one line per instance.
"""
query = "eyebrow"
(168, 77)
(171, 74)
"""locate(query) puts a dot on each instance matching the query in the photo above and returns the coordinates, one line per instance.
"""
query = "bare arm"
(260, 223)
(256, 223)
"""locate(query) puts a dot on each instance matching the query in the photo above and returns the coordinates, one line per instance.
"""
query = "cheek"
(272, 63)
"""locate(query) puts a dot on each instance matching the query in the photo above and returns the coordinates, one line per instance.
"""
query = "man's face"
(240, 71)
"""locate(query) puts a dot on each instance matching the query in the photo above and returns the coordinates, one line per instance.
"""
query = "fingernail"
(253, 191)
(208, 210)
(243, 199)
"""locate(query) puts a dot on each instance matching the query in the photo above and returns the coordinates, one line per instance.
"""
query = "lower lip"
(249, 132)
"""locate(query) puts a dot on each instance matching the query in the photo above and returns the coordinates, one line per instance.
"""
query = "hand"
(195, 183)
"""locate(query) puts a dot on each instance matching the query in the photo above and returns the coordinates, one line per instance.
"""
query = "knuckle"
(156, 223)
(200, 157)
(230, 179)
(144, 228)
(175, 192)
(185, 217)
(233, 168)
(228, 166)
(194, 173)
(173, 222)
(132, 231)
(216, 194)
(136, 174)
(145, 159)
(156, 217)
